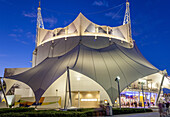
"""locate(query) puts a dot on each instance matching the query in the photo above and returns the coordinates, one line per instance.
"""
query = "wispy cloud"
(30, 15)
(51, 21)
(21, 35)
(30, 35)
(101, 3)
(21, 41)
(18, 30)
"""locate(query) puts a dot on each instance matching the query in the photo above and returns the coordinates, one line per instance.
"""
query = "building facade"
(76, 66)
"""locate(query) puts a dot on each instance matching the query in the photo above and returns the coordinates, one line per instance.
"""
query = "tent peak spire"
(81, 14)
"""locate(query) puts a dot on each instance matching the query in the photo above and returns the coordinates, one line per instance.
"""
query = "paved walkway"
(151, 114)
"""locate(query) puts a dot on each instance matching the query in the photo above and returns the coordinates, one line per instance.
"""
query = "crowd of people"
(164, 108)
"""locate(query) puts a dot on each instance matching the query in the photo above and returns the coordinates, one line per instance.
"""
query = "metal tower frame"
(127, 20)
(40, 23)
(39, 18)
(127, 14)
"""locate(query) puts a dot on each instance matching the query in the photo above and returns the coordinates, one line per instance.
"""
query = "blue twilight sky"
(150, 26)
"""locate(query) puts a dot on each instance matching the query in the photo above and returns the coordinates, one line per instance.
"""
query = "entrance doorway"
(85, 99)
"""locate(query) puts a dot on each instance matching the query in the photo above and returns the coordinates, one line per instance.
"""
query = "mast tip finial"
(39, 3)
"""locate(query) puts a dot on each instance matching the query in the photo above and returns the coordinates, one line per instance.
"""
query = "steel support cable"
(91, 13)
(58, 12)
(117, 12)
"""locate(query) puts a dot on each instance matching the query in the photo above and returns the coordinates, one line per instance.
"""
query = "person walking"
(164, 109)
(167, 107)
(160, 108)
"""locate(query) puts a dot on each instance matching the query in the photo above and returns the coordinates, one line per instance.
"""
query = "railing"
(144, 88)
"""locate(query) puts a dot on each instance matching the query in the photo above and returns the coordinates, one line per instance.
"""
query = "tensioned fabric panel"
(90, 28)
(41, 34)
(43, 52)
(84, 22)
(62, 46)
(124, 30)
(44, 34)
(72, 29)
(43, 75)
(91, 42)
(48, 35)
(132, 52)
(104, 65)
(116, 32)
(58, 48)
(82, 25)
(121, 43)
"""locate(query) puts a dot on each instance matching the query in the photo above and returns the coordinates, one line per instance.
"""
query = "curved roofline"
(82, 26)
(81, 14)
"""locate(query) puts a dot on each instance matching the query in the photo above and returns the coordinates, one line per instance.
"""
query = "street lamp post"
(117, 80)
(142, 83)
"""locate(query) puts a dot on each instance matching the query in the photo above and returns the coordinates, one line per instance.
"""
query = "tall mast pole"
(127, 14)
(39, 22)
(128, 21)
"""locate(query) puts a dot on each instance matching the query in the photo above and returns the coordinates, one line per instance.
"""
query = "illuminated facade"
(77, 66)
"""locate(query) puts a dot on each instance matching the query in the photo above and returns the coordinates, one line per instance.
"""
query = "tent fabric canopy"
(43, 75)
(56, 48)
(81, 26)
(102, 65)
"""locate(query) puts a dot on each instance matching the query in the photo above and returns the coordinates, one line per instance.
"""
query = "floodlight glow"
(88, 99)
(118, 77)
(78, 78)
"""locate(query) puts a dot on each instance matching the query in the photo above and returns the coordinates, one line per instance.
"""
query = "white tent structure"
(95, 56)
